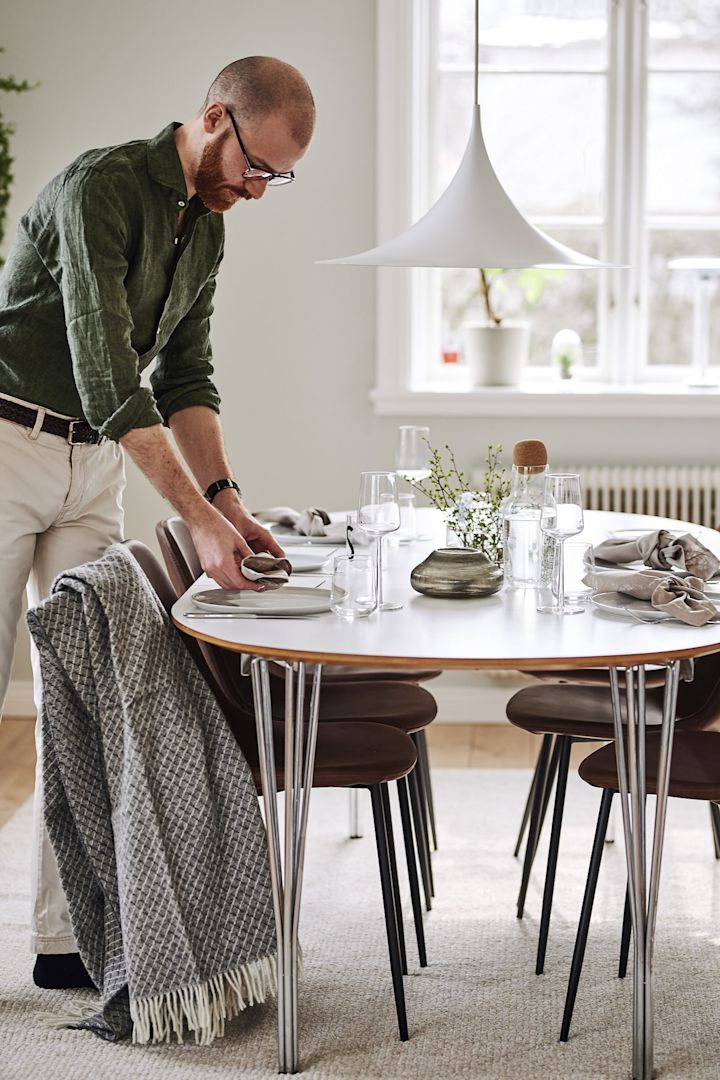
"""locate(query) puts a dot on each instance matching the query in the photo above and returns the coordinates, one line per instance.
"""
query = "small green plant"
(472, 514)
(494, 293)
(8, 85)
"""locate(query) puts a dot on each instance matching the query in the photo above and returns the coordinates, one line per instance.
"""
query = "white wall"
(294, 342)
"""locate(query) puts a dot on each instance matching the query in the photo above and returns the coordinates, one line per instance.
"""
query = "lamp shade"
(473, 224)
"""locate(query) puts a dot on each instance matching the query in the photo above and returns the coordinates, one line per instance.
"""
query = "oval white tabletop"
(500, 631)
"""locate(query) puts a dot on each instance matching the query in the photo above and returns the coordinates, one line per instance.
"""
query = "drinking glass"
(353, 594)
(561, 516)
(412, 460)
(408, 529)
(379, 514)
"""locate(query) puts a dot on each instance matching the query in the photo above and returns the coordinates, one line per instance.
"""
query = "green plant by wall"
(8, 85)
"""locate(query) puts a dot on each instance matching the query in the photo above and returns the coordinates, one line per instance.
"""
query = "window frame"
(404, 65)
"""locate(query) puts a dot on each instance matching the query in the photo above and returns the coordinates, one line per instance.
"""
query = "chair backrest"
(183, 567)
(209, 660)
(178, 551)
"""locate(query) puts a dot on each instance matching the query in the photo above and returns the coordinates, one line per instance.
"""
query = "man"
(113, 268)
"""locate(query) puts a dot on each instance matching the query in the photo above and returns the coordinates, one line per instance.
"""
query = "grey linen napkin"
(683, 598)
(662, 551)
(267, 569)
(311, 522)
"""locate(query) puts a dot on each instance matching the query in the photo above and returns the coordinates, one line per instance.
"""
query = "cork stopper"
(530, 454)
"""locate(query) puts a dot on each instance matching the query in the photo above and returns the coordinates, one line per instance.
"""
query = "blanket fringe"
(75, 1011)
(203, 1007)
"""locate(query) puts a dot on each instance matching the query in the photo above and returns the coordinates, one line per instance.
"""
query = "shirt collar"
(164, 163)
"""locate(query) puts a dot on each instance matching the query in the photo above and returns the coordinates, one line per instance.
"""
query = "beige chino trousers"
(60, 506)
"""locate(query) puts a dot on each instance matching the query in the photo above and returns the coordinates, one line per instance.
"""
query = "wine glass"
(378, 515)
(412, 460)
(561, 516)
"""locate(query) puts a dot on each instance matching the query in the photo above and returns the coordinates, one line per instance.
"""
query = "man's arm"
(219, 545)
(198, 433)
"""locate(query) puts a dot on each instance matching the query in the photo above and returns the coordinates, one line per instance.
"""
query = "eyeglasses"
(254, 172)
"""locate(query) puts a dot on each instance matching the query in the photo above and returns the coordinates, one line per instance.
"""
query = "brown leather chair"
(348, 754)
(694, 774)
(380, 695)
(573, 713)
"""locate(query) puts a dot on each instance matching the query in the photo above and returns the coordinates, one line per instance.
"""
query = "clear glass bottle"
(522, 539)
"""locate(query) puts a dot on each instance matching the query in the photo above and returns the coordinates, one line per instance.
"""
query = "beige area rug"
(477, 1011)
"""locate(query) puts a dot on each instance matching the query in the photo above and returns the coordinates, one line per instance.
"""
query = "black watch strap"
(221, 485)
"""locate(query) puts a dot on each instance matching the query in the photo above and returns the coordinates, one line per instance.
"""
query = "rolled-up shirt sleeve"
(182, 374)
(90, 267)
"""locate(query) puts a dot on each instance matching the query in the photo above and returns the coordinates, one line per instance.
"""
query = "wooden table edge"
(410, 663)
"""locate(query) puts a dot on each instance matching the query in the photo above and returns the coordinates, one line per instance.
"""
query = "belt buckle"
(71, 433)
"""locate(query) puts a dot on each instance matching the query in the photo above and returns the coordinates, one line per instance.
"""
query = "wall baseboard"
(483, 702)
(19, 700)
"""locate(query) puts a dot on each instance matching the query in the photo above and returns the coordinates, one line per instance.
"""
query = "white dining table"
(503, 630)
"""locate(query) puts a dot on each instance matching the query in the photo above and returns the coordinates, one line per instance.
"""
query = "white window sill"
(572, 399)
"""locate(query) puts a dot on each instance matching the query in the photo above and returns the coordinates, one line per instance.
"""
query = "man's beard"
(210, 182)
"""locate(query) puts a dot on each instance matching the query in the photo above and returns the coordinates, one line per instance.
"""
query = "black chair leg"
(412, 869)
(422, 791)
(389, 907)
(565, 745)
(715, 821)
(531, 846)
(394, 876)
(545, 747)
(625, 937)
(425, 766)
(418, 816)
(586, 912)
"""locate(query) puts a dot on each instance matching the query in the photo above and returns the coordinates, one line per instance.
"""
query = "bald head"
(258, 86)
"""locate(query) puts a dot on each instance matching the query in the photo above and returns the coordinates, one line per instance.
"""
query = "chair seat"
(584, 712)
(400, 705)
(592, 676)
(694, 771)
(347, 755)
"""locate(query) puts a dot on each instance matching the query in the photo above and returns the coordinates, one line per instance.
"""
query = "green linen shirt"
(96, 287)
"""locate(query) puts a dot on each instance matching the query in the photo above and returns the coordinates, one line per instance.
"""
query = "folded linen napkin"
(267, 569)
(683, 598)
(311, 522)
(662, 551)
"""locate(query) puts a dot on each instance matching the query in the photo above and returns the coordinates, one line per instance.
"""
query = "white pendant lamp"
(474, 223)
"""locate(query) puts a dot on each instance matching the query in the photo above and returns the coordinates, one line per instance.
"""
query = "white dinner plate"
(621, 604)
(634, 534)
(304, 562)
(288, 536)
(288, 600)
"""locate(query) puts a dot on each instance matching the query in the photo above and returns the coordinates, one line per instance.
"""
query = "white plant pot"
(496, 355)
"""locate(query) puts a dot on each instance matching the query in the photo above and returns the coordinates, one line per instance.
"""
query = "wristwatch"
(221, 485)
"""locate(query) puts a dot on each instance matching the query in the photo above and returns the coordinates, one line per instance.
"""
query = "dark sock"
(61, 971)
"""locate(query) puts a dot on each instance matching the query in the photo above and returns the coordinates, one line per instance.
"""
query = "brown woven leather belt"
(73, 431)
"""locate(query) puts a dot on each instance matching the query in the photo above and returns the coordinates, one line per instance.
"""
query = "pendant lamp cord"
(477, 52)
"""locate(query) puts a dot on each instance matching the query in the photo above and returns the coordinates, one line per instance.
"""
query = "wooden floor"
(452, 746)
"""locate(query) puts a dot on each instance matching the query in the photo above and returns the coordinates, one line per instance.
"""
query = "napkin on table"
(310, 522)
(267, 569)
(662, 551)
(683, 598)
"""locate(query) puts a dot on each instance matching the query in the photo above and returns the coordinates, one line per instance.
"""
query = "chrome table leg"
(643, 895)
(287, 858)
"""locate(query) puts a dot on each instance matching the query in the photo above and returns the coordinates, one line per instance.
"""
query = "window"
(601, 119)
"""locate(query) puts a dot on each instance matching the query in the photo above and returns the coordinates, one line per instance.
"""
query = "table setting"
(571, 588)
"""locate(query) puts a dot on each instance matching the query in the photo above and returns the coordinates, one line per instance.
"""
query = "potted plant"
(7, 85)
(495, 345)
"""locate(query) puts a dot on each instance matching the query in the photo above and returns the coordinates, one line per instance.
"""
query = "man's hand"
(221, 549)
(254, 534)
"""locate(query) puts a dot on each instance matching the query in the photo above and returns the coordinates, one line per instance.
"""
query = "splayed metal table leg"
(287, 858)
(643, 894)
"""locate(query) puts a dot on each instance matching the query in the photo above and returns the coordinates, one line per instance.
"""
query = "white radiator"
(689, 492)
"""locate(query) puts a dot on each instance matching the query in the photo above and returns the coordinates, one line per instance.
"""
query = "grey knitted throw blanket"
(152, 813)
